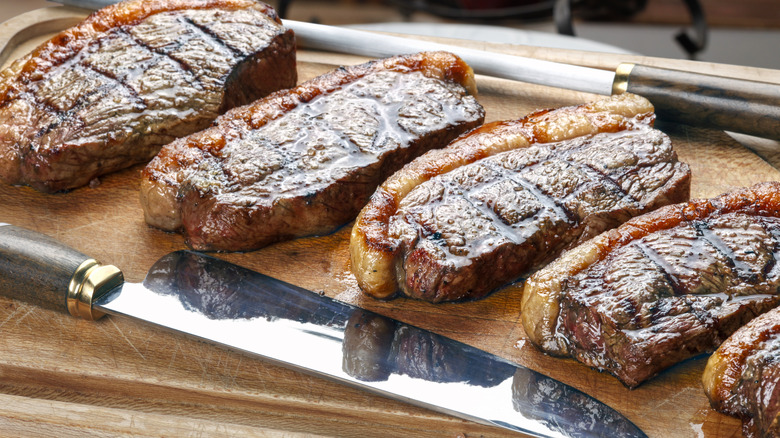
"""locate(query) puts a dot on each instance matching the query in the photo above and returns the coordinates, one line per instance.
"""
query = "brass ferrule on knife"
(90, 281)
(622, 73)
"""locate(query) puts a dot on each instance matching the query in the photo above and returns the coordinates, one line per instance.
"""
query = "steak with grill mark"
(109, 92)
(742, 377)
(304, 161)
(508, 197)
(661, 288)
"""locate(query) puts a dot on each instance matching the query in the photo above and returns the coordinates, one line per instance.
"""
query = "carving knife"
(222, 303)
(747, 107)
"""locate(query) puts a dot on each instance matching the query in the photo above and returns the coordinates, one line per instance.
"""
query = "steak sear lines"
(304, 161)
(661, 288)
(212, 37)
(459, 231)
(130, 78)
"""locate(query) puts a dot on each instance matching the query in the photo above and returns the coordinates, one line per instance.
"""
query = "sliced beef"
(661, 288)
(742, 377)
(510, 196)
(108, 93)
(304, 161)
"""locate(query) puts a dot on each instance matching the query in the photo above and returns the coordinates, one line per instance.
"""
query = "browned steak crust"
(304, 161)
(510, 196)
(109, 92)
(742, 377)
(661, 288)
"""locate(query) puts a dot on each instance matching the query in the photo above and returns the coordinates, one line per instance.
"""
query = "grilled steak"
(506, 198)
(304, 161)
(742, 377)
(131, 77)
(661, 288)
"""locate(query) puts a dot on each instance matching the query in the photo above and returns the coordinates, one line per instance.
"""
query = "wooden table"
(61, 376)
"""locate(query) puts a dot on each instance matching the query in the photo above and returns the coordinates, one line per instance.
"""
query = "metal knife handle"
(737, 105)
(43, 271)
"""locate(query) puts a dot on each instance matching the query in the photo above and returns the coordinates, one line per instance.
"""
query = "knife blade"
(227, 305)
(730, 104)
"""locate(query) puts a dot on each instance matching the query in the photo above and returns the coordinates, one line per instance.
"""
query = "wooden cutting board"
(67, 377)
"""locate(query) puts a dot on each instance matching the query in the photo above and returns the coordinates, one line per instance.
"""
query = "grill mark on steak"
(662, 265)
(601, 180)
(569, 193)
(114, 80)
(421, 232)
(107, 93)
(303, 161)
(71, 113)
(550, 208)
(53, 113)
(183, 66)
(57, 112)
(741, 269)
(550, 203)
(662, 288)
(213, 37)
(192, 34)
(598, 175)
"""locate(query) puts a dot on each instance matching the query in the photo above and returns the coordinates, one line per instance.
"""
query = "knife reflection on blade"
(228, 305)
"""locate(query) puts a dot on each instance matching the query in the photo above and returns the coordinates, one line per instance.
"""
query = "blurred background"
(743, 32)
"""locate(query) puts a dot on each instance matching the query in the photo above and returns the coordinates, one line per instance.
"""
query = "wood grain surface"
(60, 376)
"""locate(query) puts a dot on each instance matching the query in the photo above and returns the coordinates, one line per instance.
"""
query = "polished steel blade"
(499, 65)
(219, 302)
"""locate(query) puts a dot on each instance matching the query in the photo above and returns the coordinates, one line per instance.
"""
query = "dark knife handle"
(729, 104)
(43, 271)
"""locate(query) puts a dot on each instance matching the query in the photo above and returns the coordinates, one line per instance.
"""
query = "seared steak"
(661, 288)
(742, 377)
(510, 196)
(304, 161)
(131, 77)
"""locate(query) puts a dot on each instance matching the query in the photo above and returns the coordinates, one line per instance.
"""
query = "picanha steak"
(109, 92)
(742, 377)
(304, 161)
(508, 197)
(662, 287)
